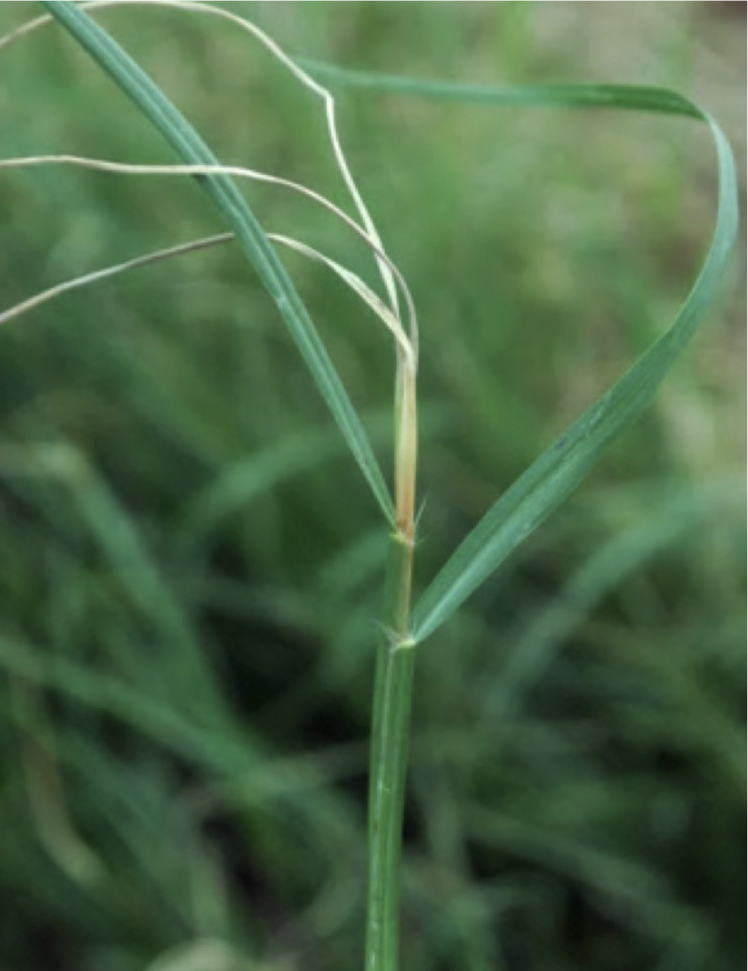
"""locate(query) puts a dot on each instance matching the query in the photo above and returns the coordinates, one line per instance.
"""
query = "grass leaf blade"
(556, 472)
(636, 97)
(133, 81)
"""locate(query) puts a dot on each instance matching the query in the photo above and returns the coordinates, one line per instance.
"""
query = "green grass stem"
(512, 517)
(388, 763)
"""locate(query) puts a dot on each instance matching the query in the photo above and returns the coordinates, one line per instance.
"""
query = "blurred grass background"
(191, 566)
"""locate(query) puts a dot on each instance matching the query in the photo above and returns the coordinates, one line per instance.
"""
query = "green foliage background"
(191, 565)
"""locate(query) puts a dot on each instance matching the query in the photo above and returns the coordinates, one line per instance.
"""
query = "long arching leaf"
(232, 205)
(558, 470)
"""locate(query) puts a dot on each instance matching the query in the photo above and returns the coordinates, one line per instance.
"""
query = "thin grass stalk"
(522, 508)
(388, 762)
(393, 686)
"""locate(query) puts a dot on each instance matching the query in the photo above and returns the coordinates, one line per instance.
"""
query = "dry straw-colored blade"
(389, 318)
(387, 272)
(134, 82)
(77, 283)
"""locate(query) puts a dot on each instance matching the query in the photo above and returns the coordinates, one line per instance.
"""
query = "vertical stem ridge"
(388, 763)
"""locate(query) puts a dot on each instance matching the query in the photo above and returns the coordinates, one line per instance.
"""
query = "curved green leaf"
(562, 466)
(559, 469)
(189, 145)
(626, 96)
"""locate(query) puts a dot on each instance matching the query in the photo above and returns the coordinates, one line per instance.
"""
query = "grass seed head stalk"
(406, 447)
(524, 505)
(240, 172)
(406, 431)
(393, 682)
(385, 265)
(395, 660)
(406, 423)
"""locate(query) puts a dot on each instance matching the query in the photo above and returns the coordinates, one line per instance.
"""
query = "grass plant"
(407, 621)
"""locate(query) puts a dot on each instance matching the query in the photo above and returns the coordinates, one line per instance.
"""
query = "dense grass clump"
(191, 565)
